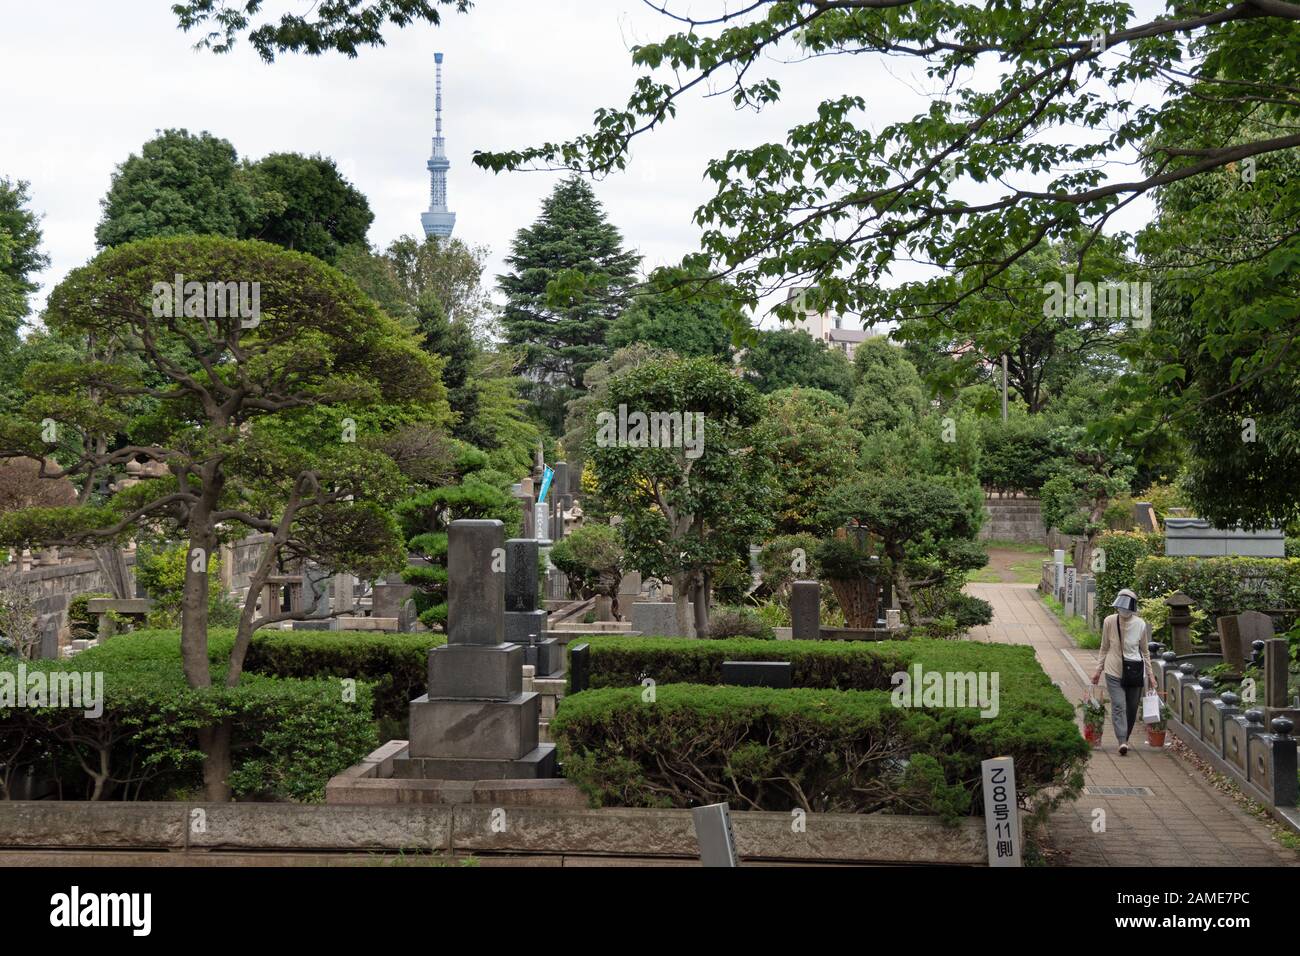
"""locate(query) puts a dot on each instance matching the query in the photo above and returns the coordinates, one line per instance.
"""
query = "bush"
(592, 559)
(836, 743)
(395, 665)
(1123, 550)
(968, 611)
(161, 572)
(739, 622)
(1222, 586)
(779, 560)
(289, 736)
(1016, 455)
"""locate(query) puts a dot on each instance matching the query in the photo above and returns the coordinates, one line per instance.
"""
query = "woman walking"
(1125, 660)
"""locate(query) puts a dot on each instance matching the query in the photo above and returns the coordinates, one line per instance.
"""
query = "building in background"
(439, 220)
(830, 328)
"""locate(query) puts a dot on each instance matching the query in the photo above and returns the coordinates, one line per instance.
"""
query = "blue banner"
(547, 475)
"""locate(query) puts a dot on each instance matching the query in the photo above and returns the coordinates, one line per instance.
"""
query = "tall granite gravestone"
(525, 623)
(805, 610)
(476, 723)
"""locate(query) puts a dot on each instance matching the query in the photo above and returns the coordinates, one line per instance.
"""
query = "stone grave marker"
(476, 723)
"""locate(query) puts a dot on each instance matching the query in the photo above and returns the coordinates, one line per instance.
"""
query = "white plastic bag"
(1150, 708)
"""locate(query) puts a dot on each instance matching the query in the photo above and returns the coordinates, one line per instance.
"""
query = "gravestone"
(1234, 649)
(805, 610)
(659, 619)
(1069, 592)
(386, 599)
(579, 667)
(525, 622)
(758, 673)
(476, 723)
(1145, 516)
(1058, 578)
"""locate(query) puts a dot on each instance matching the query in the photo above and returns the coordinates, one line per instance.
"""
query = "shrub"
(772, 749)
(289, 736)
(161, 572)
(1015, 455)
(1123, 550)
(592, 559)
(395, 665)
(968, 611)
(739, 622)
(1222, 586)
(782, 558)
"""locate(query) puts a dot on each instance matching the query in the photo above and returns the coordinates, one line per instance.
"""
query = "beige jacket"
(1111, 653)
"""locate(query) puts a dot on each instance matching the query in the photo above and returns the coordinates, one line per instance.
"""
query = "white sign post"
(1058, 568)
(1069, 592)
(713, 831)
(1001, 816)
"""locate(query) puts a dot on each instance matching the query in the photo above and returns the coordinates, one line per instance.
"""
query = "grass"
(994, 544)
(1076, 627)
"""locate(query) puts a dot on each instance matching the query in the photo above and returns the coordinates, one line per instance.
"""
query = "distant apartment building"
(830, 329)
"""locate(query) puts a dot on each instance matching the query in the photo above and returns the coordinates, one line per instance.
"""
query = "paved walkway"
(1184, 820)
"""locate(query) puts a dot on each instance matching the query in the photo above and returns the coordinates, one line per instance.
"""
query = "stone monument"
(476, 723)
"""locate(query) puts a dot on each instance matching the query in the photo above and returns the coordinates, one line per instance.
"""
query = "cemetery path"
(1183, 820)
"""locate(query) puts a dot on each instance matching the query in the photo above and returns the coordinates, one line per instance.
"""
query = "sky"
(86, 82)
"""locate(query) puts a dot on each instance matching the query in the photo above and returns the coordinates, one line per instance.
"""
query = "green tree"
(1088, 475)
(178, 184)
(981, 175)
(272, 421)
(888, 392)
(592, 560)
(475, 492)
(681, 313)
(1016, 315)
(306, 205)
(20, 259)
(569, 280)
(785, 358)
(690, 507)
(580, 420)
(813, 447)
(925, 531)
(341, 27)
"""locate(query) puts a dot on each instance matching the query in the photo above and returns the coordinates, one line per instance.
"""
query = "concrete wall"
(829, 837)
(1013, 519)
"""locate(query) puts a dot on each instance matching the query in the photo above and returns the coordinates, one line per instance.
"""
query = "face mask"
(1124, 615)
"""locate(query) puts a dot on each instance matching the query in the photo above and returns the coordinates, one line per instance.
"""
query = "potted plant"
(1157, 728)
(1094, 719)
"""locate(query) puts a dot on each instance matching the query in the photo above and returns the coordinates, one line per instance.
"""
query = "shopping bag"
(1150, 707)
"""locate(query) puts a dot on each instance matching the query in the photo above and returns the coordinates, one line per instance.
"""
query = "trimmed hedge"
(1123, 550)
(396, 665)
(820, 750)
(835, 743)
(289, 736)
(1222, 585)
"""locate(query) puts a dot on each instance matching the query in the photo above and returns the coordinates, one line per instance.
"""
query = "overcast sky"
(85, 82)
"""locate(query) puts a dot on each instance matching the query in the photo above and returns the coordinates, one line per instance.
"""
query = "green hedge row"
(290, 736)
(819, 750)
(396, 665)
(1222, 585)
(836, 742)
(1123, 550)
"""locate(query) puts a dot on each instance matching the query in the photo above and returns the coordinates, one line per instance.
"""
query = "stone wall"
(54, 587)
(1013, 519)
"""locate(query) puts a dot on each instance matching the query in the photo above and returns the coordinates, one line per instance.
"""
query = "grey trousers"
(1124, 702)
